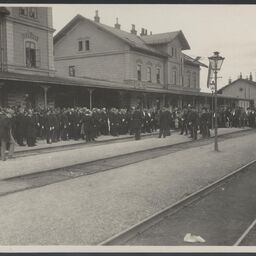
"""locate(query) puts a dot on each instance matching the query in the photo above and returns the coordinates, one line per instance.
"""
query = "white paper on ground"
(193, 238)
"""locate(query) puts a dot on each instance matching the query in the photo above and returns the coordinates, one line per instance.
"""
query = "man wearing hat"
(193, 120)
(205, 121)
(6, 137)
(136, 122)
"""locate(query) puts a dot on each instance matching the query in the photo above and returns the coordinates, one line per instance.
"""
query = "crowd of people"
(25, 126)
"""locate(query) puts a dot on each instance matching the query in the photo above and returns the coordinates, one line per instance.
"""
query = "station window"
(72, 71)
(173, 52)
(30, 50)
(194, 80)
(30, 12)
(174, 77)
(139, 72)
(87, 45)
(158, 75)
(188, 79)
(23, 11)
(80, 45)
(33, 12)
(149, 74)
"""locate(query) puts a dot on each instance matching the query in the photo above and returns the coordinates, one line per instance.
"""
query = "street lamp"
(215, 64)
(212, 87)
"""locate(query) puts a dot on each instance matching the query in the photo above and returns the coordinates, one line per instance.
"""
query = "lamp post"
(212, 87)
(215, 64)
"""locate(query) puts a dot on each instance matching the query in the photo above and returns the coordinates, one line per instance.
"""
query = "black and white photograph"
(128, 126)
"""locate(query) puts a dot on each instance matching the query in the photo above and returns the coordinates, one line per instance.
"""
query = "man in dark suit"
(165, 119)
(136, 122)
(5, 133)
(193, 121)
(20, 126)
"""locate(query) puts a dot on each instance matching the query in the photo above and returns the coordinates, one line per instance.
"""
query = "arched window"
(149, 74)
(30, 49)
(139, 72)
(32, 54)
(158, 75)
(174, 76)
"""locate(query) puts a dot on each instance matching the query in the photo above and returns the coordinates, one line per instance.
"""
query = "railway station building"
(91, 64)
(241, 88)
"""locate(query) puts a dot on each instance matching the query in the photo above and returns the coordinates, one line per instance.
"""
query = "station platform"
(41, 144)
(53, 160)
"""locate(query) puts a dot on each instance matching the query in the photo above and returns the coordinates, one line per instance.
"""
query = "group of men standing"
(26, 126)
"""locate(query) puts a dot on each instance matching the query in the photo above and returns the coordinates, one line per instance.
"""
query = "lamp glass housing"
(216, 61)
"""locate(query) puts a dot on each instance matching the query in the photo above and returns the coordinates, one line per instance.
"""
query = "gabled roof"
(237, 80)
(194, 61)
(129, 38)
(167, 38)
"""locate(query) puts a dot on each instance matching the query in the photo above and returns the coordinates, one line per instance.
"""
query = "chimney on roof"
(144, 32)
(117, 25)
(96, 17)
(250, 78)
(241, 76)
(133, 31)
(229, 80)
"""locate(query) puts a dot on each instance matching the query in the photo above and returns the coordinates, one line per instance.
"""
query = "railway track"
(40, 179)
(147, 224)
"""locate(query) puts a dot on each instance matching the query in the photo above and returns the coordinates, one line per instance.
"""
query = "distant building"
(244, 90)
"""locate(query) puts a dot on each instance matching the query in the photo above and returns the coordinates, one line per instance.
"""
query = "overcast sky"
(229, 29)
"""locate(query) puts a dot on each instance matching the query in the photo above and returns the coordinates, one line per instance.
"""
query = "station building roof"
(87, 82)
(237, 81)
